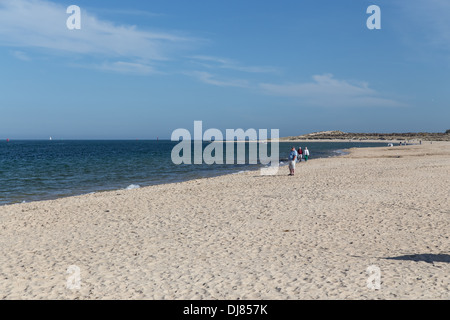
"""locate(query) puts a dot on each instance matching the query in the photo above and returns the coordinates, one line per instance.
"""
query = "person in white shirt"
(306, 153)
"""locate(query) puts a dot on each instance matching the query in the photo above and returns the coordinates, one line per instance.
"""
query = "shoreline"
(245, 236)
(218, 174)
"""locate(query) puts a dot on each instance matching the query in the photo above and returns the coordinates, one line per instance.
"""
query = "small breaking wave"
(340, 152)
(241, 171)
(133, 186)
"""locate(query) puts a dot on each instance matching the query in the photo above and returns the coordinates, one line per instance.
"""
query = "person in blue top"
(292, 159)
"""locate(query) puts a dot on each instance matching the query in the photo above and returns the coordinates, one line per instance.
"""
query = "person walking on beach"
(306, 153)
(292, 158)
(300, 154)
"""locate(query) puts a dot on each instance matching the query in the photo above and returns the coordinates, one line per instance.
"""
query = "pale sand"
(245, 236)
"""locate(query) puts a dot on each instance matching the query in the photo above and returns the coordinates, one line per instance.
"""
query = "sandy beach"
(245, 236)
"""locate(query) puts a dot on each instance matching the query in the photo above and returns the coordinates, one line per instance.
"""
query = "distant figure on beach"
(300, 154)
(292, 158)
(420, 141)
(306, 153)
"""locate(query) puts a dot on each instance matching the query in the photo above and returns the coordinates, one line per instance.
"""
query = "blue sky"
(141, 69)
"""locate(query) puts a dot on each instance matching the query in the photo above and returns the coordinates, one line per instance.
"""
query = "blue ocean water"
(42, 170)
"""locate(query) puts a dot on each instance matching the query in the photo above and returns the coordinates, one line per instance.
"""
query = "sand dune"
(245, 236)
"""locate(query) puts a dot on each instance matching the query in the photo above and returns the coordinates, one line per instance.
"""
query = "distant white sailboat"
(51, 138)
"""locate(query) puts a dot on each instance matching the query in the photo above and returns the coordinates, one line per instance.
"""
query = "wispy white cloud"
(223, 63)
(129, 12)
(209, 78)
(127, 68)
(326, 91)
(39, 26)
(21, 55)
(42, 24)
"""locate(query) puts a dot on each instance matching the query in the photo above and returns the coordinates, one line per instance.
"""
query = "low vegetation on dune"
(426, 136)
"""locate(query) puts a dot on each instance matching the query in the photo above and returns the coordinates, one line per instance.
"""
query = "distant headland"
(340, 135)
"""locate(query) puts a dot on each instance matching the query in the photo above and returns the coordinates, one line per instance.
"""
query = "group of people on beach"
(297, 156)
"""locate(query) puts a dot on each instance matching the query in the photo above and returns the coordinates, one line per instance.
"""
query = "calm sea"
(42, 170)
